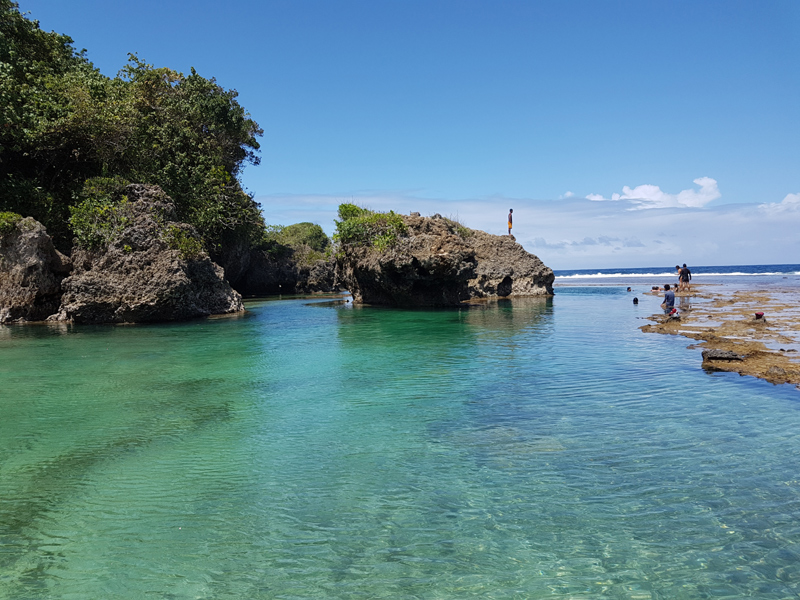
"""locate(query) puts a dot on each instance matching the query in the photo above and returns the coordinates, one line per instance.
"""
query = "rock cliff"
(31, 271)
(152, 270)
(267, 275)
(438, 262)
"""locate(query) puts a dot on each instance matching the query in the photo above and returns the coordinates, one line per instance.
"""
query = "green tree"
(62, 122)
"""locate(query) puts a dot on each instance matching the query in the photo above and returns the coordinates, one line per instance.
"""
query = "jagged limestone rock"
(439, 262)
(31, 271)
(142, 275)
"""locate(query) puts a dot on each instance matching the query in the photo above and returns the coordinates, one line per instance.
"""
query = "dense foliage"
(305, 242)
(299, 234)
(62, 123)
(362, 227)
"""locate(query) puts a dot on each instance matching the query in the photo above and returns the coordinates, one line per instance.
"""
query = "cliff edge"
(434, 261)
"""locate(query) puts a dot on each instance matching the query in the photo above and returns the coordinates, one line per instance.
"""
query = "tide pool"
(531, 448)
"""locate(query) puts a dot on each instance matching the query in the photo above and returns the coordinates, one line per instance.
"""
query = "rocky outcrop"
(152, 270)
(267, 275)
(31, 271)
(439, 262)
(716, 354)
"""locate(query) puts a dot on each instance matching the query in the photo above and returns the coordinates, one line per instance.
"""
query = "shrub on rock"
(135, 263)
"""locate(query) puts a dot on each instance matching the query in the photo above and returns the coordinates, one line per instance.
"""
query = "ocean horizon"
(700, 272)
(523, 448)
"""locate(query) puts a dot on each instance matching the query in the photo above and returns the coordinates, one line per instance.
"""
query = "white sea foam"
(607, 275)
(673, 274)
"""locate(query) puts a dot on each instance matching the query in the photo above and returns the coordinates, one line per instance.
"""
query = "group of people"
(684, 277)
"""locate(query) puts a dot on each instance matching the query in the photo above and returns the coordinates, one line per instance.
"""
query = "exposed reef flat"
(724, 319)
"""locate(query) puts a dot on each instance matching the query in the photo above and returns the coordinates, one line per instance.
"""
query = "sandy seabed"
(722, 318)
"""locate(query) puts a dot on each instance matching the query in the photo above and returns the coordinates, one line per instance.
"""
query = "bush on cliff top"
(363, 227)
(101, 215)
(178, 238)
(8, 222)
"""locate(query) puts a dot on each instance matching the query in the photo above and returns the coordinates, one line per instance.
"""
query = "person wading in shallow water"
(510, 220)
(669, 300)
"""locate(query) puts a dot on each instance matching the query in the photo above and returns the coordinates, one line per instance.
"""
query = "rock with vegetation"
(31, 270)
(62, 122)
(397, 260)
(295, 259)
(134, 262)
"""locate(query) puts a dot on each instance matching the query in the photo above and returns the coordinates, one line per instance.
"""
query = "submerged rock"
(31, 272)
(154, 269)
(439, 262)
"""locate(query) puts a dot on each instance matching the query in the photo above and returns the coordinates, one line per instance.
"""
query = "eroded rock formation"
(441, 263)
(148, 272)
(31, 271)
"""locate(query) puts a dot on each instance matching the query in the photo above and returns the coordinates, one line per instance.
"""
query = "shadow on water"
(87, 397)
(426, 327)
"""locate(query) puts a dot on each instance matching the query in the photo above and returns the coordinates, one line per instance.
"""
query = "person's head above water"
(666, 286)
(684, 265)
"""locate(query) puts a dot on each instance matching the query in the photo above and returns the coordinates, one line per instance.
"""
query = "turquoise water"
(526, 449)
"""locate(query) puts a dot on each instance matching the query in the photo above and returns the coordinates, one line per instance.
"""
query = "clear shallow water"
(528, 449)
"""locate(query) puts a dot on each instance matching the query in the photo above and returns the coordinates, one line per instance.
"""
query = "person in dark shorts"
(510, 220)
(686, 277)
(669, 300)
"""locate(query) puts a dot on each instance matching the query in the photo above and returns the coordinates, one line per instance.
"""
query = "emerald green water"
(527, 449)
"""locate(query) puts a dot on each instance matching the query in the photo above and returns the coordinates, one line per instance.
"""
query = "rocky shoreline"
(143, 265)
(733, 337)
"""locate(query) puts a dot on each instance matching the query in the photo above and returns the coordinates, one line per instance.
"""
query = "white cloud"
(566, 195)
(581, 234)
(651, 196)
(791, 202)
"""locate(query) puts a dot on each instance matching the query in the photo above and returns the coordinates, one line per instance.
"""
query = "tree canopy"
(62, 123)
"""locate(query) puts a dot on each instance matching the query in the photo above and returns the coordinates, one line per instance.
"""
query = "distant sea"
(788, 274)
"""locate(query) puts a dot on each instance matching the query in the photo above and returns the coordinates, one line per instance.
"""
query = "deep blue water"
(736, 276)
(701, 272)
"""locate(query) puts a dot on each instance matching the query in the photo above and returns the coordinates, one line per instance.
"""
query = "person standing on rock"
(686, 277)
(510, 220)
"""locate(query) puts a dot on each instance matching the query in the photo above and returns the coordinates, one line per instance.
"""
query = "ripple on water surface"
(526, 449)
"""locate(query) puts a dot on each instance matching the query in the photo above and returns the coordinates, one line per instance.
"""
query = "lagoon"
(528, 448)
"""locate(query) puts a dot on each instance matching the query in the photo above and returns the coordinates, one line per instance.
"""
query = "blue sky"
(622, 133)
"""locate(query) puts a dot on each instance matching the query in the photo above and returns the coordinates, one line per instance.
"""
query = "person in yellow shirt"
(510, 220)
